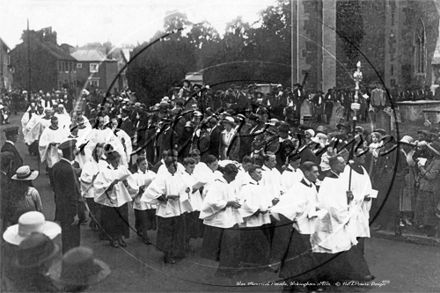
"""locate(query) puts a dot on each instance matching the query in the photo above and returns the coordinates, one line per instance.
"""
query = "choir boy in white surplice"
(51, 137)
(145, 214)
(299, 205)
(292, 174)
(271, 178)
(114, 188)
(195, 199)
(170, 192)
(243, 174)
(333, 233)
(211, 174)
(361, 204)
(254, 232)
(221, 241)
(90, 171)
(272, 181)
(36, 126)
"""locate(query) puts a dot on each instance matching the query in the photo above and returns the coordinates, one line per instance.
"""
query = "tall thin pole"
(292, 44)
(29, 60)
(298, 54)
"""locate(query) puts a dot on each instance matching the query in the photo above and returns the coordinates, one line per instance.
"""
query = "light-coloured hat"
(229, 120)
(28, 223)
(310, 131)
(407, 140)
(24, 173)
(79, 267)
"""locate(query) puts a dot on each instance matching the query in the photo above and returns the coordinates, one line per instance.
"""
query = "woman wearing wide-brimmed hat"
(32, 260)
(408, 192)
(429, 186)
(25, 197)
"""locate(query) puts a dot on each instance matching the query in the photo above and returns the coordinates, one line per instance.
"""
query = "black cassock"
(67, 196)
(16, 162)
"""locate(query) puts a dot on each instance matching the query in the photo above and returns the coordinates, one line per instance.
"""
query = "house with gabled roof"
(95, 70)
(48, 65)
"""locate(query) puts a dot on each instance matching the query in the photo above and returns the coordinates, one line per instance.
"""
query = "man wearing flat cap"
(11, 134)
(67, 196)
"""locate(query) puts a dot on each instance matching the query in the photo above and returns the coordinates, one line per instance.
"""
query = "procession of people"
(245, 171)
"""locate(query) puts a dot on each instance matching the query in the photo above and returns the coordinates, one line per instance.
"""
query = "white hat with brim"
(24, 173)
(28, 223)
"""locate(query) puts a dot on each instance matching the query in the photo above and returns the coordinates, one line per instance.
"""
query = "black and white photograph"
(220, 146)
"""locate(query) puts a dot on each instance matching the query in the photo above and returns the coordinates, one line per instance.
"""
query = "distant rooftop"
(90, 55)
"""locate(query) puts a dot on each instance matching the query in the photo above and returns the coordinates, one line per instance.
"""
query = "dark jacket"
(17, 161)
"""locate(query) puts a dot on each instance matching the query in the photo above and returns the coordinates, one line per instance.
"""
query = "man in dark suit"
(9, 146)
(126, 124)
(214, 137)
(67, 196)
(5, 182)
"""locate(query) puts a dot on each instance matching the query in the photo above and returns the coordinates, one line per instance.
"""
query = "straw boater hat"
(28, 223)
(35, 250)
(408, 140)
(79, 267)
(24, 173)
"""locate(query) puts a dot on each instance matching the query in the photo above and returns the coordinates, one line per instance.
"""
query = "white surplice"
(35, 127)
(167, 184)
(332, 234)
(272, 180)
(88, 172)
(289, 178)
(50, 152)
(252, 199)
(299, 205)
(359, 207)
(214, 211)
(143, 179)
(119, 194)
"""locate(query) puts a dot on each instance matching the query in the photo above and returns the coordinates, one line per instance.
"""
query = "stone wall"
(311, 43)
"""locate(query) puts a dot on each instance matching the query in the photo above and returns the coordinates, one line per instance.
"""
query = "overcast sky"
(78, 22)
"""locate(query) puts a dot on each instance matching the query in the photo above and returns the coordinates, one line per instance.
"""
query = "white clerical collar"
(10, 142)
(334, 173)
(266, 168)
(254, 182)
(70, 162)
(307, 181)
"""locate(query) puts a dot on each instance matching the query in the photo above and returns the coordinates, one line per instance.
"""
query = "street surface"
(398, 266)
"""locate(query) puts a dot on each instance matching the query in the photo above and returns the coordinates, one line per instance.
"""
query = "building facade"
(5, 67)
(95, 70)
(395, 41)
(40, 64)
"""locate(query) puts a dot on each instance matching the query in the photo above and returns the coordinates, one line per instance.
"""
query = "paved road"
(398, 266)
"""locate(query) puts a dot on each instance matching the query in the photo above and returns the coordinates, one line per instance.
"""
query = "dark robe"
(67, 196)
(16, 162)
